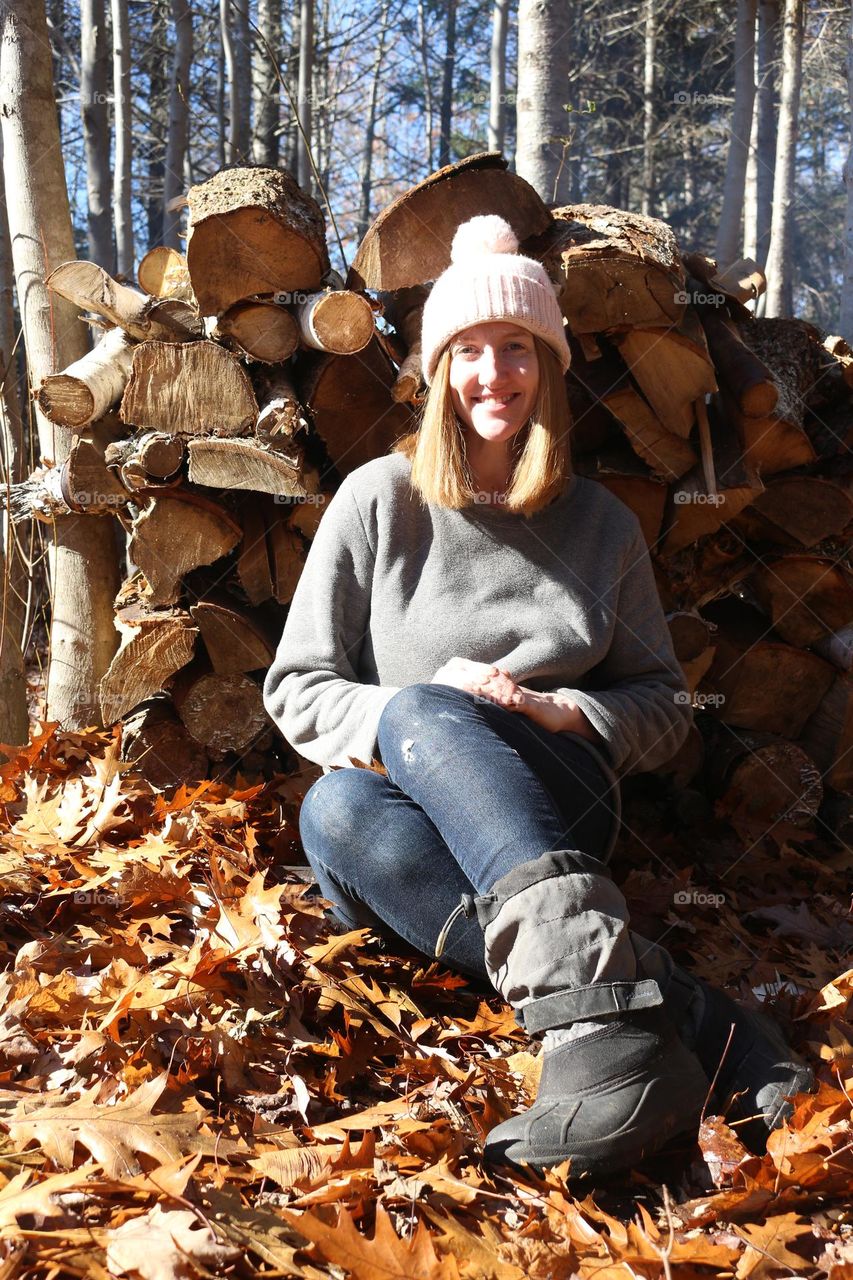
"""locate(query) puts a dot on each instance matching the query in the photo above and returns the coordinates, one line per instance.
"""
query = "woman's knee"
(407, 711)
(337, 806)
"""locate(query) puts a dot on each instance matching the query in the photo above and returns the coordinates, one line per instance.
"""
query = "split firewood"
(260, 330)
(279, 411)
(155, 740)
(672, 368)
(806, 508)
(253, 231)
(842, 353)
(151, 652)
(828, 735)
(692, 643)
(404, 310)
(631, 481)
(140, 315)
(694, 512)
(741, 282)
(337, 320)
(253, 564)
(91, 385)
(755, 681)
(806, 597)
(838, 648)
(235, 640)
(617, 269)
(409, 243)
(699, 573)
(88, 482)
(195, 388)
(151, 460)
(607, 381)
(223, 713)
(174, 534)
(747, 380)
(758, 780)
(256, 464)
(287, 558)
(350, 403)
(39, 497)
(163, 272)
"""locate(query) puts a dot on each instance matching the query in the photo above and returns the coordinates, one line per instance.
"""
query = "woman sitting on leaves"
(488, 625)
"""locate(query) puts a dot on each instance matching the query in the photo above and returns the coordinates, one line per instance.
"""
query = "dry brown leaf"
(767, 1251)
(111, 1133)
(166, 1244)
(478, 1255)
(384, 1257)
(22, 1198)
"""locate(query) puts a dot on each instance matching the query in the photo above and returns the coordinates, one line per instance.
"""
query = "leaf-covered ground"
(197, 1078)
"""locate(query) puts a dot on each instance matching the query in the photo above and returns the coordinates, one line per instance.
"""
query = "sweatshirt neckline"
(495, 515)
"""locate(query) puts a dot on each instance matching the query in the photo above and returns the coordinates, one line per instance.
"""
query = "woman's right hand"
(483, 679)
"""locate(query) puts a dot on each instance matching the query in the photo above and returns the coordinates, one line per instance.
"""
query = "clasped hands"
(553, 711)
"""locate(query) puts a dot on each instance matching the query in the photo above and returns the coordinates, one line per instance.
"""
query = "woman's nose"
(491, 364)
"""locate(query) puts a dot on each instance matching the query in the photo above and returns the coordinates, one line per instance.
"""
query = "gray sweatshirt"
(564, 599)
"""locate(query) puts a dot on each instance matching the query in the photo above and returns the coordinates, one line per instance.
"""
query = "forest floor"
(197, 1078)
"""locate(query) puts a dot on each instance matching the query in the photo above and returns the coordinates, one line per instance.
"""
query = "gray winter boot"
(617, 1081)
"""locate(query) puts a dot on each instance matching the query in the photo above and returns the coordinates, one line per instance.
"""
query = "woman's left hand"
(553, 711)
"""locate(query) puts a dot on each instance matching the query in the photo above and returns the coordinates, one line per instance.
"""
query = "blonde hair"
(541, 449)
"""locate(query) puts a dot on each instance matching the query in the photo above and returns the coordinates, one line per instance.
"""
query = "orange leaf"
(385, 1257)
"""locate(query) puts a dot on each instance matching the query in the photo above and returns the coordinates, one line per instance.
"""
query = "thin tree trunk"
(176, 145)
(729, 231)
(221, 59)
(497, 76)
(82, 559)
(446, 116)
(768, 21)
(234, 105)
(304, 104)
(780, 300)
(265, 84)
(13, 582)
(243, 69)
(370, 130)
(427, 81)
(846, 321)
(543, 71)
(94, 98)
(647, 195)
(123, 138)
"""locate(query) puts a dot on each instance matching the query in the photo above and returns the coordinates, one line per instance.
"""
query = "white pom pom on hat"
(489, 280)
(486, 233)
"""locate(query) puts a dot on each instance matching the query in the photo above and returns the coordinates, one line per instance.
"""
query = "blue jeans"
(472, 791)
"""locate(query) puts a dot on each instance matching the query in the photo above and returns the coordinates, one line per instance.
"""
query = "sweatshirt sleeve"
(636, 697)
(312, 691)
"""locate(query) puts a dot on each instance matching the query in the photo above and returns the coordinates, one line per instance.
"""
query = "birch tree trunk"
(304, 104)
(265, 85)
(176, 138)
(123, 139)
(780, 300)
(94, 97)
(82, 558)
(647, 193)
(13, 584)
(729, 238)
(497, 75)
(370, 129)
(846, 321)
(543, 71)
(446, 108)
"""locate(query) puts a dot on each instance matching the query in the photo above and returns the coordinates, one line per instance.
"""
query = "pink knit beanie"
(488, 280)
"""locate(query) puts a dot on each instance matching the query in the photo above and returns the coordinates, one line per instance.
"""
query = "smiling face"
(494, 378)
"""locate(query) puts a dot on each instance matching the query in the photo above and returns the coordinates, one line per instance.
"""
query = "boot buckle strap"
(594, 1001)
(466, 906)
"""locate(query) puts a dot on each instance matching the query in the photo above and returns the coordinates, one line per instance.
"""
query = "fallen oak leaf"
(166, 1244)
(21, 1198)
(384, 1257)
(111, 1132)
(767, 1246)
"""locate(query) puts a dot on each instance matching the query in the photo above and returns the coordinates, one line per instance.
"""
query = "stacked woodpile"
(230, 394)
